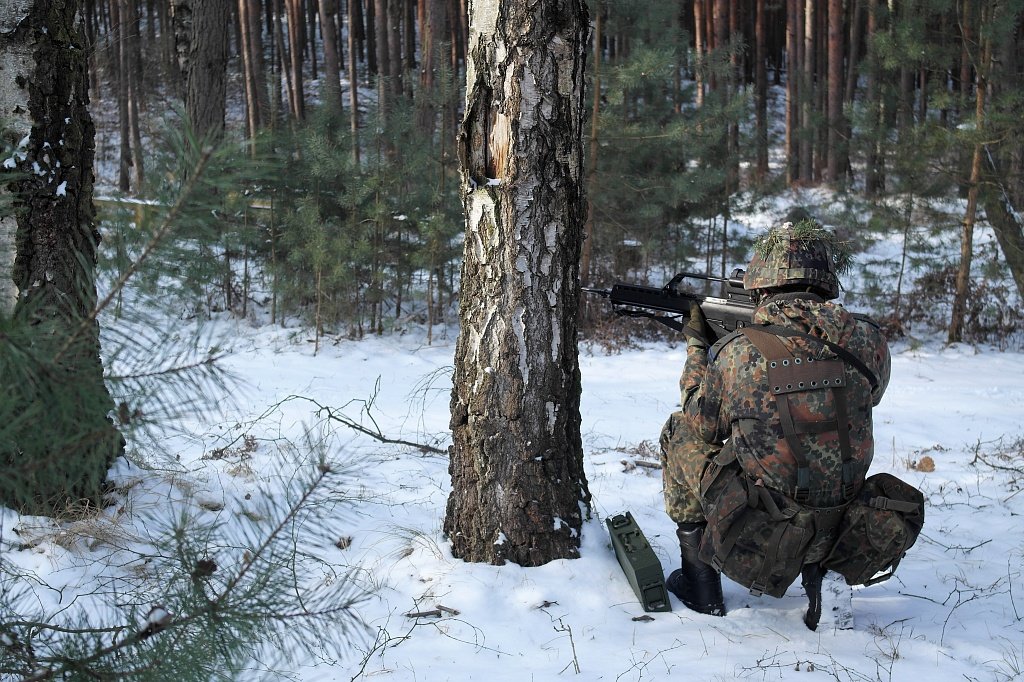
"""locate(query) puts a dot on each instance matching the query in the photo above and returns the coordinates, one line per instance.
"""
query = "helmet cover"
(800, 252)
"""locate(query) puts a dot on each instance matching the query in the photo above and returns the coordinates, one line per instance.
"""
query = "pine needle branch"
(159, 235)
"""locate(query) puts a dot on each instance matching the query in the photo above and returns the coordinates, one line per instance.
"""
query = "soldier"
(814, 446)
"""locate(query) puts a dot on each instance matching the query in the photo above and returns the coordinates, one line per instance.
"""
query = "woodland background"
(700, 109)
(292, 163)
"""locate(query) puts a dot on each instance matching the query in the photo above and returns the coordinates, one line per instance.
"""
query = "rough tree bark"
(206, 79)
(48, 246)
(517, 459)
(332, 64)
(836, 87)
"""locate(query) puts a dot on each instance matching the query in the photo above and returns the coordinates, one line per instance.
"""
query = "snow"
(950, 613)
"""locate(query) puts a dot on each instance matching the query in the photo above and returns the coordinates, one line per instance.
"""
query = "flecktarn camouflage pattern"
(801, 252)
(732, 400)
(727, 398)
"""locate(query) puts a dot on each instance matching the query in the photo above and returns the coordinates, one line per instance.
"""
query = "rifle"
(727, 311)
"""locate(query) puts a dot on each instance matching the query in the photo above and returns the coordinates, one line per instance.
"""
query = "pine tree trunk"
(353, 79)
(281, 61)
(700, 50)
(206, 83)
(963, 275)
(432, 27)
(380, 18)
(835, 89)
(760, 92)
(394, 31)
(793, 38)
(120, 44)
(332, 67)
(517, 457)
(133, 72)
(249, 80)
(296, 40)
(52, 237)
(807, 91)
(874, 178)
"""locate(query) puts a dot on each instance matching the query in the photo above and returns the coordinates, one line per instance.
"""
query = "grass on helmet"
(807, 230)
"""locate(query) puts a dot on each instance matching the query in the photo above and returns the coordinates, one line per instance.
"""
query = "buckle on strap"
(803, 484)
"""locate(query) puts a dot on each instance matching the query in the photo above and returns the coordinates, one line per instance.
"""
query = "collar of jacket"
(785, 297)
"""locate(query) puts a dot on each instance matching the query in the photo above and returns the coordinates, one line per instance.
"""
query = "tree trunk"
(394, 31)
(353, 79)
(517, 456)
(206, 83)
(1008, 225)
(120, 45)
(874, 177)
(282, 68)
(807, 91)
(332, 66)
(587, 256)
(792, 91)
(63, 457)
(380, 18)
(433, 26)
(136, 93)
(254, 71)
(699, 50)
(181, 19)
(835, 89)
(296, 41)
(760, 93)
(963, 275)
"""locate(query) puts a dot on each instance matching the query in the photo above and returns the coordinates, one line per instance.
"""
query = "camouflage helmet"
(800, 251)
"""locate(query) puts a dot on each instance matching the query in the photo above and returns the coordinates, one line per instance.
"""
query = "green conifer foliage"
(659, 162)
(358, 240)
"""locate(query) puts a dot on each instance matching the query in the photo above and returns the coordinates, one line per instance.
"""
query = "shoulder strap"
(782, 363)
(846, 355)
(722, 342)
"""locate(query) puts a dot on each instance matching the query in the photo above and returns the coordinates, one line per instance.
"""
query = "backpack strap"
(788, 374)
(846, 355)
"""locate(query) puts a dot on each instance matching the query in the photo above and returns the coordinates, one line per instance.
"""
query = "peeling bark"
(518, 484)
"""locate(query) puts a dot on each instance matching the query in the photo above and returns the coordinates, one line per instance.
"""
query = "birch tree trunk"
(48, 255)
(517, 457)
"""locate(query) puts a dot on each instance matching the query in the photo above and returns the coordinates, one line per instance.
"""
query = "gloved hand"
(696, 328)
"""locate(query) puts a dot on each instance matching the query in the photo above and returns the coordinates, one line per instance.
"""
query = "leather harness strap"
(788, 374)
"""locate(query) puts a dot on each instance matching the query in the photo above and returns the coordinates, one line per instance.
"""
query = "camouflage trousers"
(684, 457)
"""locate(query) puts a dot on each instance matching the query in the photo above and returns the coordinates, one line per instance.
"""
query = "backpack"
(762, 537)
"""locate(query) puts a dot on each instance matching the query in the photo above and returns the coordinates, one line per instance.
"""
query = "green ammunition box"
(638, 562)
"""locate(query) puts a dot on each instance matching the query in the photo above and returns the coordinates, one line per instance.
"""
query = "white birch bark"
(517, 471)
(16, 64)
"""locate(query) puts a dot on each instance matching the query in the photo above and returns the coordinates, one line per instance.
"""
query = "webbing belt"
(787, 375)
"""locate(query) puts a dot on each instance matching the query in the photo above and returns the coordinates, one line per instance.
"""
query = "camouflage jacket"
(726, 397)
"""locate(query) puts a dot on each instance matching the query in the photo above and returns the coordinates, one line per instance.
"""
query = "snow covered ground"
(952, 612)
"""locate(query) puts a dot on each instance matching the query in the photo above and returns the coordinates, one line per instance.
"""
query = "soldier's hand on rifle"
(696, 329)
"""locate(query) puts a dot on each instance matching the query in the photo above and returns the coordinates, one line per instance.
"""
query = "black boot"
(811, 577)
(698, 585)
